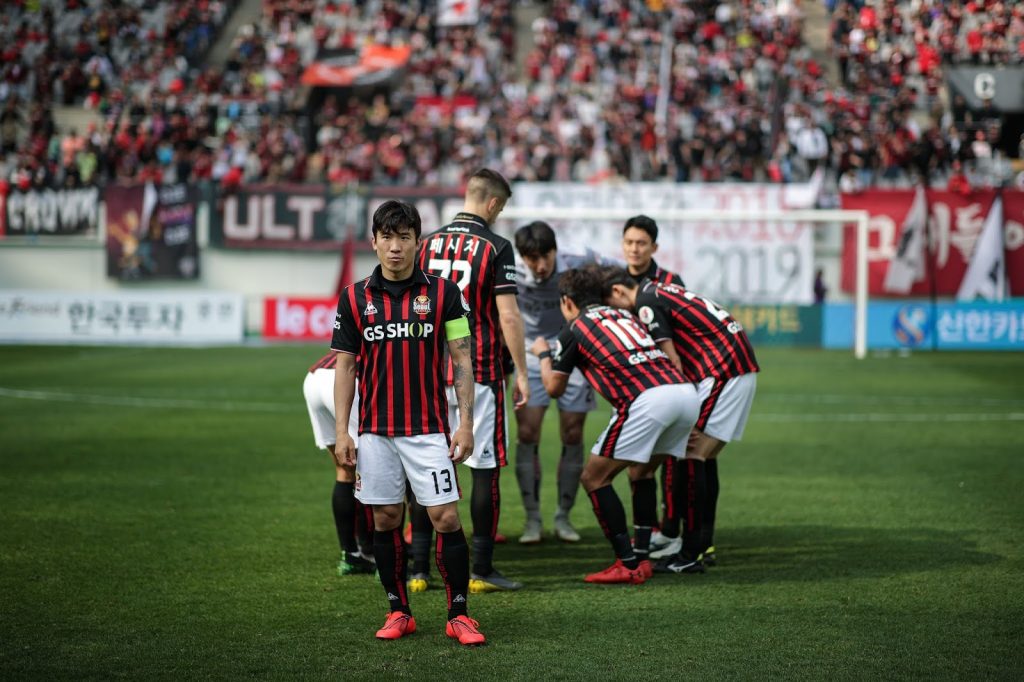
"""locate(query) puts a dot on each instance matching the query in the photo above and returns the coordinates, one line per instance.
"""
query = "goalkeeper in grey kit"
(537, 279)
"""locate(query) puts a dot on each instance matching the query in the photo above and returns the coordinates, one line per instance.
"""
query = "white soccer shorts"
(318, 388)
(384, 464)
(578, 396)
(658, 422)
(490, 425)
(725, 406)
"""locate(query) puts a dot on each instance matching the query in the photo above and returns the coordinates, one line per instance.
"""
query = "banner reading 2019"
(753, 261)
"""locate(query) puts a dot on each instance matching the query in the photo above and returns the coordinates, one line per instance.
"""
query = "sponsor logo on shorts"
(421, 305)
(398, 330)
(370, 309)
(359, 483)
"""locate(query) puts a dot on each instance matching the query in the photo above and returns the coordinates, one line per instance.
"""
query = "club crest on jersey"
(646, 315)
(421, 305)
(370, 309)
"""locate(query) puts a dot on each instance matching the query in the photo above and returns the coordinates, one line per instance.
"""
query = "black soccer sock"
(612, 517)
(670, 516)
(364, 528)
(707, 529)
(570, 466)
(389, 550)
(528, 476)
(484, 507)
(452, 557)
(690, 491)
(645, 513)
(343, 503)
(422, 534)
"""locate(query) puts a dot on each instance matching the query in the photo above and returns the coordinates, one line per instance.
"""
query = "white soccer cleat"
(564, 530)
(673, 547)
(531, 532)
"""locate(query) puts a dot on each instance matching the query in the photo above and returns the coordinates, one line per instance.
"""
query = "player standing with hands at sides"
(350, 516)
(483, 266)
(713, 351)
(539, 302)
(398, 322)
(654, 409)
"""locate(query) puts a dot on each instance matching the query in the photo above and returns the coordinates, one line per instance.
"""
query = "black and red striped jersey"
(329, 361)
(656, 273)
(615, 353)
(709, 341)
(483, 264)
(400, 338)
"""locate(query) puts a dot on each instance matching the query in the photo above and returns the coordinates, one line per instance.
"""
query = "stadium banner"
(285, 217)
(780, 325)
(298, 319)
(120, 317)
(437, 206)
(373, 65)
(946, 244)
(917, 324)
(752, 262)
(50, 212)
(151, 232)
(458, 12)
(1013, 240)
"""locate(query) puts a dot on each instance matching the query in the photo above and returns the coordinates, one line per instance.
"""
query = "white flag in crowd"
(458, 12)
(907, 266)
(986, 273)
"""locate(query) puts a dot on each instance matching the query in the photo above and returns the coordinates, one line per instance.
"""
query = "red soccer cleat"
(397, 625)
(646, 569)
(464, 629)
(500, 539)
(617, 573)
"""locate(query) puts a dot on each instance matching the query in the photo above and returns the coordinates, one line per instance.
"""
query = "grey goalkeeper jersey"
(538, 301)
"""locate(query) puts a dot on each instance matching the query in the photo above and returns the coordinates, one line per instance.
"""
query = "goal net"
(733, 257)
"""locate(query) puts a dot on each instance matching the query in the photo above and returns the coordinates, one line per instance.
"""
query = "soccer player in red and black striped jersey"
(713, 351)
(350, 516)
(639, 244)
(482, 263)
(399, 322)
(655, 408)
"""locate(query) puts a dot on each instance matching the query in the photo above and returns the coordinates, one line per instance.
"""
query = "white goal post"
(812, 216)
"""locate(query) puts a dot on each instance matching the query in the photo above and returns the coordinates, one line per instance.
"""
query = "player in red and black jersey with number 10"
(713, 351)
(398, 323)
(482, 263)
(655, 408)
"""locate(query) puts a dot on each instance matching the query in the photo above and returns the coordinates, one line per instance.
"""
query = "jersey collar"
(466, 217)
(376, 280)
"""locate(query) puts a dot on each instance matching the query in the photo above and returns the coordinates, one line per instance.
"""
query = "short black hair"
(642, 222)
(486, 184)
(395, 216)
(535, 239)
(610, 275)
(582, 286)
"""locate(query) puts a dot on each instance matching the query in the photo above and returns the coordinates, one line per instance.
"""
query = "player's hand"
(462, 444)
(345, 450)
(539, 345)
(521, 392)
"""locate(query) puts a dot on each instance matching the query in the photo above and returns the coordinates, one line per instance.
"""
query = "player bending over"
(654, 409)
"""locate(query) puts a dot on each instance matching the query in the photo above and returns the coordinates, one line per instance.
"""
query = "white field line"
(229, 406)
(159, 403)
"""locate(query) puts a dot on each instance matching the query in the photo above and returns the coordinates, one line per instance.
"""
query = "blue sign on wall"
(917, 324)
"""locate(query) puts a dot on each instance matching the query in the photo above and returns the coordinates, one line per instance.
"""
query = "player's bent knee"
(387, 516)
(445, 517)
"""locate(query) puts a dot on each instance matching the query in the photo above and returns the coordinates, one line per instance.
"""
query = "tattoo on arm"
(463, 378)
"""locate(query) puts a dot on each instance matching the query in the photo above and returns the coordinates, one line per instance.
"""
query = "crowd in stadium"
(746, 101)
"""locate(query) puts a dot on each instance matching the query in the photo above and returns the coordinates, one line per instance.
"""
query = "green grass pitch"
(165, 515)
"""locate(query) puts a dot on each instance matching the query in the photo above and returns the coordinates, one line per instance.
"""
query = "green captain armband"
(457, 328)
